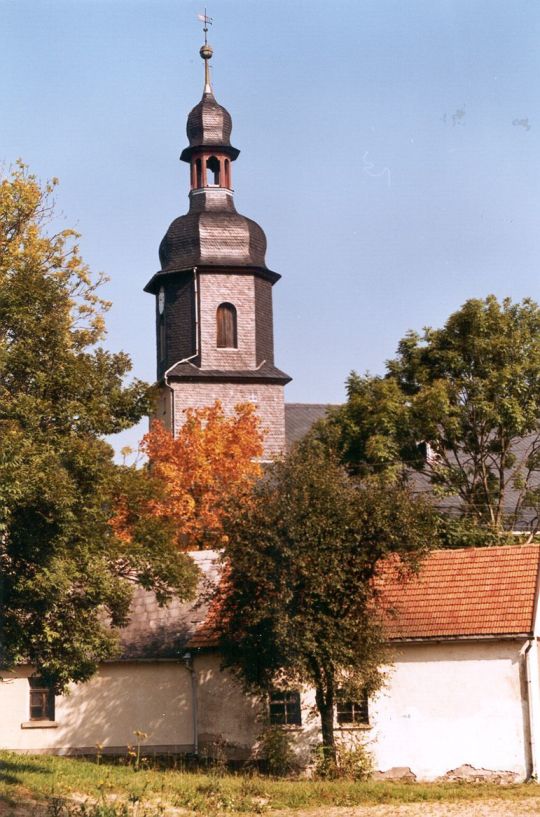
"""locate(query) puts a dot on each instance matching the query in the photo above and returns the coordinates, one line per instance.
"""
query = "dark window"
(285, 708)
(198, 165)
(352, 712)
(226, 327)
(212, 165)
(41, 701)
(162, 343)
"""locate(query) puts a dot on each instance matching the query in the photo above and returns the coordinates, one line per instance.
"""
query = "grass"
(43, 777)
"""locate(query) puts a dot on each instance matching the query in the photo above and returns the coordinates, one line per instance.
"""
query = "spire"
(206, 52)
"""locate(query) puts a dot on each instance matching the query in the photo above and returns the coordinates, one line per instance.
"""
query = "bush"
(353, 760)
(275, 754)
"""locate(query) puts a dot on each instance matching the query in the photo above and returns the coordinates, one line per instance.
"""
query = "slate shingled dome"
(209, 123)
(212, 234)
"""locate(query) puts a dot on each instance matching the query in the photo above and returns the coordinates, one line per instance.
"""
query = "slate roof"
(467, 592)
(164, 632)
(267, 372)
(299, 417)
(208, 236)
(209, 123)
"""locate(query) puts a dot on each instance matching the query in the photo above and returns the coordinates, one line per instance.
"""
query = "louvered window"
(226, 327)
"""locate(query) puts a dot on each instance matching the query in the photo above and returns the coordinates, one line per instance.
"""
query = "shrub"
(275, 753)
(353, 760)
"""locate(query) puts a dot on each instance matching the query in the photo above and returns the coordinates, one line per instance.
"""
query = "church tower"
(213, 293)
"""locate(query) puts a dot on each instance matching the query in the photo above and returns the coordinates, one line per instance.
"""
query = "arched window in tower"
(198, 166)
(226, 327)
(212, 166)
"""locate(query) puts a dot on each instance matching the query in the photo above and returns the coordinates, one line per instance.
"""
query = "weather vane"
(204, 18)
(206, 50)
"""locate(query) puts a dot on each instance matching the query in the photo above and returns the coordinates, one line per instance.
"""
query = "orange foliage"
(211, 463)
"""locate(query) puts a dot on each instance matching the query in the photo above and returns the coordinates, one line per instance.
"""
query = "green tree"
(65, 576)
(469, 393)
(299, 602)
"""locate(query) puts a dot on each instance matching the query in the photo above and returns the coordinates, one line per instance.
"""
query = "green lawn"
(38, 778)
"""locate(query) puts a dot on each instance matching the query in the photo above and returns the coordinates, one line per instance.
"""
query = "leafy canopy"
(470, 393)
(212, 462)
(299, 604)
(64, 573)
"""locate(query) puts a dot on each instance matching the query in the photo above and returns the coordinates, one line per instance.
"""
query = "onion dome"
(209, 123)
(212, 234)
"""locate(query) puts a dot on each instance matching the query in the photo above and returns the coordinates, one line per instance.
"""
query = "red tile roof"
(204, 637)
(468, 592)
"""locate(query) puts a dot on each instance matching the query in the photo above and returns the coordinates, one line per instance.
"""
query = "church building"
(462, 694)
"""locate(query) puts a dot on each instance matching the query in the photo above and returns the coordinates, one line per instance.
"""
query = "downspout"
(188, 661)
(529, 652)
(185, 359)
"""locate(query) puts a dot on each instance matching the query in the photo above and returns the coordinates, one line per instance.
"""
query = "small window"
(226, 327)
(199, 174)
(41, 701)
(213, 168)
(162, 342)
(285, 708)
(352, 712)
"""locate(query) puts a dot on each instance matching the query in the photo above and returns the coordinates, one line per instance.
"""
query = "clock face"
(161, 301)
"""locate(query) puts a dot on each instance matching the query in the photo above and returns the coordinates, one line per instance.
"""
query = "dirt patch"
(482, 808)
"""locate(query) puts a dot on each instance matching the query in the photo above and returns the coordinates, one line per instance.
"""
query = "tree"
(65, 575)
(299, 602)
(212, 462)
(460, 404)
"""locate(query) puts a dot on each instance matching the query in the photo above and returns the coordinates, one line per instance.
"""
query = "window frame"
(41, 692)
(224, 333)
(290, 702)
(351, 714)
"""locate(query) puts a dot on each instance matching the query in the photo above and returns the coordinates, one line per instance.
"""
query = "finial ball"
(206, 51)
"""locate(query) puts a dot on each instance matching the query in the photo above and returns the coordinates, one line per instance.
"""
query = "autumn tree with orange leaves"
(213, 462)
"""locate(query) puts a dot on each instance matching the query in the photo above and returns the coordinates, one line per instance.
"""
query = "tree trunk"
(325, 705)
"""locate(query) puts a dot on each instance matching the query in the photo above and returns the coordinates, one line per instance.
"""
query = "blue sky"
(389, 150)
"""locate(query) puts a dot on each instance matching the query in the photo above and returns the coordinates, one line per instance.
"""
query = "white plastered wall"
(225, 712)
(444, 705)
(121, 698)
(449, 704)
